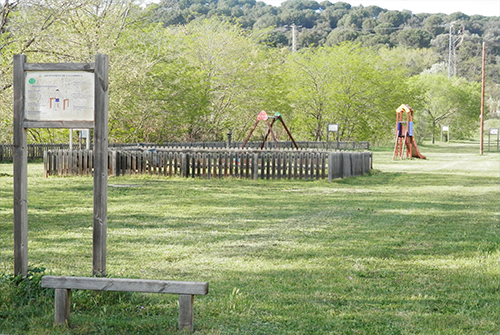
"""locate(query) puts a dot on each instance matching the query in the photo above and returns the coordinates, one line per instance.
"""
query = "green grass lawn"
(412, 248)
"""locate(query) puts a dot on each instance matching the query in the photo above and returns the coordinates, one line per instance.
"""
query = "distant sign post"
(60, 95)
(332, 128)
(445, 129)
(494, 132)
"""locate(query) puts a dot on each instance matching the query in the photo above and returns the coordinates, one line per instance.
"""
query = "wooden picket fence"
(215, 163)
(35, 151)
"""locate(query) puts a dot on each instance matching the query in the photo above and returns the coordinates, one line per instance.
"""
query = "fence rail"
(35, 151)
(215, 163)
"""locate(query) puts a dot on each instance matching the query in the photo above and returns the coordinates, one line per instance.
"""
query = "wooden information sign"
(60, 95)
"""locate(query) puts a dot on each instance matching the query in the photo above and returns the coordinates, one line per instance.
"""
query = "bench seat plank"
(125, 285)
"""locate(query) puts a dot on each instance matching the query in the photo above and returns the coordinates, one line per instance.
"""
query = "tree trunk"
(433, 130)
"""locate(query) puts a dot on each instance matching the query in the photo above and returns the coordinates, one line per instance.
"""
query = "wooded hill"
(330, 23)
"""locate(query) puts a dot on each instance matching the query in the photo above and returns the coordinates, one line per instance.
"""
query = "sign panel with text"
(59, 96)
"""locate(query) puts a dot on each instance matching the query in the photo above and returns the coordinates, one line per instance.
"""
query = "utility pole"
(294, 41)
(451, 59)
(483, 75)
(452, 50)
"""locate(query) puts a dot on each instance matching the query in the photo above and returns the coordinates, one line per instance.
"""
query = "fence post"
(330, 167)
(366, 162)
(346, 165)
(112, 162)
(184, 165)
(255, 166)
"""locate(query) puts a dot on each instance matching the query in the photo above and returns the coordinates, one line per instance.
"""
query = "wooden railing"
(215, 163)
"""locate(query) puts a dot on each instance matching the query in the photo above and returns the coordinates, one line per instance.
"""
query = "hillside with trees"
(190, 70)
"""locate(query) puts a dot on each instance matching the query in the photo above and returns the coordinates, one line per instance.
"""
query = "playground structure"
(264, 117)
(405, 144)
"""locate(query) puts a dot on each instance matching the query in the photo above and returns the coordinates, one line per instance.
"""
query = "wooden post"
(330, 167)
(20, 172)
(346, 165)
(255, 166)
(62, 306)
(481, 128)
(114, 171)
(186, 312)
(100, 165)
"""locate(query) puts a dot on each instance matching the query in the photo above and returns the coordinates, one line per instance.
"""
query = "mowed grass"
(412, 248)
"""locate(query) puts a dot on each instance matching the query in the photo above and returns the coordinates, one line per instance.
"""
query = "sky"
(469, 7)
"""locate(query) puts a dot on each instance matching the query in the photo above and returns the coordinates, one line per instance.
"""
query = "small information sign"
(59, 96)
(493, 131)
(446, 128)
(334, 127)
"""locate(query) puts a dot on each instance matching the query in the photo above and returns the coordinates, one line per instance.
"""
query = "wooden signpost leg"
(100, 166)
(20, 172)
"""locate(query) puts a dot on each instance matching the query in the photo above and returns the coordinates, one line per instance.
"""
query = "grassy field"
(412, 248)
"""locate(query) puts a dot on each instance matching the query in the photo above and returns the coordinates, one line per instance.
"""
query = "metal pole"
(481, 131)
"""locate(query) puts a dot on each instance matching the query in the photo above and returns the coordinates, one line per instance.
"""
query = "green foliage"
(26, 289)
(344, 85)
(414, 38)
(450, 102)
(22, 300)
(187, 70)
(212, 77)
(410, 61)
(371, 26)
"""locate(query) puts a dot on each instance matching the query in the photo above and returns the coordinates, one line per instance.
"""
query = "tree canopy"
(190, 70)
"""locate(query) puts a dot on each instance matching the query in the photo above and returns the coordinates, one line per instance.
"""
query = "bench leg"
(186, 312)
(62, 300)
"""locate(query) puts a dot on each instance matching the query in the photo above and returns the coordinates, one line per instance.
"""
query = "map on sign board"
(59, 96)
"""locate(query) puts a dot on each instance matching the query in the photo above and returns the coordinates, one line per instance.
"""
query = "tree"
(339, 35)
(69, 31)
(414, 38)
(454, 102)
(215, 77)
(410, 61)
(346, 84)
(312, 37)
(23, 27)
(434, 25)
(394, 17)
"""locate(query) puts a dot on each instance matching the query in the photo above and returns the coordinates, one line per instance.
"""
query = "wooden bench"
(185, 290)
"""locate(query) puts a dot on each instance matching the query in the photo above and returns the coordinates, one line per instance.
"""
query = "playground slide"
(414, 150)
